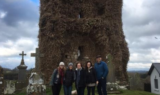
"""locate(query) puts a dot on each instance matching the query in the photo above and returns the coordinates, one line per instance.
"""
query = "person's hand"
(97, 82)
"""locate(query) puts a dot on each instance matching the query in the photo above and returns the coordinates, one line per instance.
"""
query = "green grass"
(123, 92)
(132, 92)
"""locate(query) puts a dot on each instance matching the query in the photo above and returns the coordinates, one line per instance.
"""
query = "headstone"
(22, 69)
(10, 76)
(111, 75)
(36, 85)
(10, 87)
(20, 86)
(37, 55)
(1, 81)
(112, 84)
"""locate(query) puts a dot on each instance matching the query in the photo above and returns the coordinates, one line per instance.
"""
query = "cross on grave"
(37, 55)
(22, 54)
(22, 69)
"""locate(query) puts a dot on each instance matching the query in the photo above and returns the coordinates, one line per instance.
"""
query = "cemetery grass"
(123, 92)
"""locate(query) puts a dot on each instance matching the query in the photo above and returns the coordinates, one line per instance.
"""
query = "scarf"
(61, 74)
(89, 69)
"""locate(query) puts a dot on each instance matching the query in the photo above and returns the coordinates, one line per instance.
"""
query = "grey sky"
(19, 30)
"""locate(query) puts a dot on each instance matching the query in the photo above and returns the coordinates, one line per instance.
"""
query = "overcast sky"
(19, 29)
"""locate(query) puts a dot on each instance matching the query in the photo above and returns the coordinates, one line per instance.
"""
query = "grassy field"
(123, 92)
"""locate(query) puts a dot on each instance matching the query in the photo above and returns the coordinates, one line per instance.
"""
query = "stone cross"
(37, 55)
(22, 54)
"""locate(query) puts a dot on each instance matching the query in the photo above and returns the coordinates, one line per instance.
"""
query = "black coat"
(82, 81)
(69, 77)
(91, 76)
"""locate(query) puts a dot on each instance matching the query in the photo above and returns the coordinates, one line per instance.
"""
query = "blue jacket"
(101, 69)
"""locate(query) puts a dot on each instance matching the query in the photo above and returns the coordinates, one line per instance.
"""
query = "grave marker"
(36, 85)
(37, 55)
(22, 68)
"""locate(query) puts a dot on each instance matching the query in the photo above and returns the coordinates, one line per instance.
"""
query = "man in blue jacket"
(102, 72)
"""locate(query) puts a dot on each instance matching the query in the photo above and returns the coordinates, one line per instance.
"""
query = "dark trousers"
(80, 91)
(102, 88)
(91, 89)
(67, 90)
(56, 89)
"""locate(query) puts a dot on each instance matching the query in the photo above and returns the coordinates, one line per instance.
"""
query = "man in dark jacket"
(80, 79)
(69, 78)
(102, 72)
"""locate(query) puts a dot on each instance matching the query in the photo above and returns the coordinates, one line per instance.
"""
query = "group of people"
(90, 77)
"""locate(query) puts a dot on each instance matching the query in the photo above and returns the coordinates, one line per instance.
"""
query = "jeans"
(80, 90)
(67, 90)
(56, 89)
(91, 89)
(102, 88)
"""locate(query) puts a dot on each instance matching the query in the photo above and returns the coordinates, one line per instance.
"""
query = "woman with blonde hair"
(57, 79)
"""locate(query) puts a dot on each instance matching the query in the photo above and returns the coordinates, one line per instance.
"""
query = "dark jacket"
(101, 69)
(54, 78)
(91, 75)
(82, 80)
(69, 77)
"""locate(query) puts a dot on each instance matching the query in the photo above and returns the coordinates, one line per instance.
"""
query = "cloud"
(19, 10)
(141, 24)
(2, 14)
(12, 62)
(11, 48)
(18, 31)
(138, 66)
(141, 18)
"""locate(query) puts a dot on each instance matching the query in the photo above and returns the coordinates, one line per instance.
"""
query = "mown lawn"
(123, 92)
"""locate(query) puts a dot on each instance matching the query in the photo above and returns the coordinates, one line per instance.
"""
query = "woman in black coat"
(80, 79)
(91, 78)
(69, 78)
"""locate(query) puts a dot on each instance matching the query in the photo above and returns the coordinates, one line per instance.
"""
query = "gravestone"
(22, 69)
(9, 87)
(111, 75)
(112, 84)
(36, 85)
(1, 81)
(37, 55)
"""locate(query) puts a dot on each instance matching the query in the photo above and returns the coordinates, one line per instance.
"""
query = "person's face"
(79, 66)
(70, 67)
(88, 64)
(99, 59)
(61, 66)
